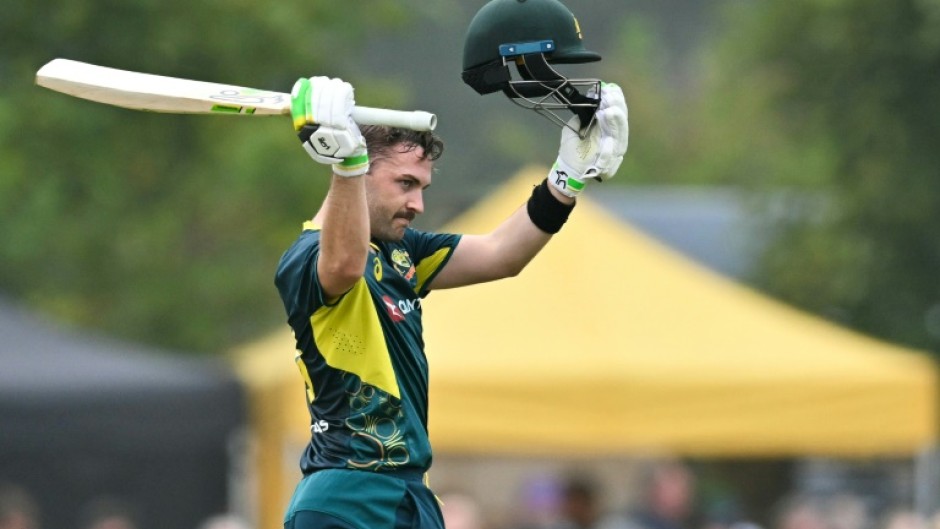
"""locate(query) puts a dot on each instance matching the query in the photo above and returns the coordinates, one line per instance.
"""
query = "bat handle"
(414, 119)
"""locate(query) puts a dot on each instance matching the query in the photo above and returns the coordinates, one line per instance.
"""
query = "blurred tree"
(840, 100)
(160, 228)
(166, 228)
(680, 134)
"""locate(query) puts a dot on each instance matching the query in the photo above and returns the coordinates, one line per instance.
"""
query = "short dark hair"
(381, 139)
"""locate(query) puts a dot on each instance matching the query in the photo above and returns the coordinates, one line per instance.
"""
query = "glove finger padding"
(613, 116)
(321, 109)
(300, 104)
(576, 157)
(611, 97)
(614, 133)
(600, 152)
(331, 102)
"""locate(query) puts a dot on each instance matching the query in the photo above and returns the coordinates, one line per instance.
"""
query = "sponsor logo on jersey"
(393, 311)
(377, 268)
(399, 310)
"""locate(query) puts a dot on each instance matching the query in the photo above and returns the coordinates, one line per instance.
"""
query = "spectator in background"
(223, 521)
(668, 497)
(847, 511)
(18, 510)
(800, 512)
(570, 503)
(726, 513)
(539, 503)
(108, 513)
(906, 519)
(461, 511)
(579, 504)
(841, 511)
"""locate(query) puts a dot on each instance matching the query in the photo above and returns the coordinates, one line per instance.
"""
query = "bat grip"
(414, 119)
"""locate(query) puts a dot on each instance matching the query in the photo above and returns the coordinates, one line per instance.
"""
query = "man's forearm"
(518, 242)
(344, 239)
(505, 251)
(566, 200)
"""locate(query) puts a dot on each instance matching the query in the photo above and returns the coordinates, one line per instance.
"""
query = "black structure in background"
(84, 418)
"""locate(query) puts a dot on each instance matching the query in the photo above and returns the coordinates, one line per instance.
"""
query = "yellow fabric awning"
(611, 343)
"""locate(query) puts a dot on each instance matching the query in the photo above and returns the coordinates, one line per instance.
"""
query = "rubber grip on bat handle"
(413, 119)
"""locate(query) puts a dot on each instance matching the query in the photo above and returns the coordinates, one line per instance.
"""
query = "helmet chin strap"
(545, 90)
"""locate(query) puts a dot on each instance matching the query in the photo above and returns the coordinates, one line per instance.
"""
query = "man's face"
(395, 192)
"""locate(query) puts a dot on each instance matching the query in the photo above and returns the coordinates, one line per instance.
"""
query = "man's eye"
(407, 184)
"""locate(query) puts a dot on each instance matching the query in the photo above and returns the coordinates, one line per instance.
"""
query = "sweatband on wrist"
(547, 212)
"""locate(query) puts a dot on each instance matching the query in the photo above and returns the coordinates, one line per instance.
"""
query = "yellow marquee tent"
(609, 343)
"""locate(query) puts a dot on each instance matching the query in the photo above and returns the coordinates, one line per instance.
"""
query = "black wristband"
(547, 212)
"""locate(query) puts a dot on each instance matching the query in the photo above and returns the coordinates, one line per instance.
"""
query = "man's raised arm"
(505, 251)
(322, 112)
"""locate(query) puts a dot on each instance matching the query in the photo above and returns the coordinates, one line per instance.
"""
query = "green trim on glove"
(565, 179)
(353, 166)
(575, 185)
(355, 161)
(300, 104)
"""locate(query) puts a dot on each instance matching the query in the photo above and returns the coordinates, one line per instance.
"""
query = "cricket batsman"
(353, 281)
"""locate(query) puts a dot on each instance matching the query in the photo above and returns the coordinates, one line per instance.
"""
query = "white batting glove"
(322, 111)
(599, 154)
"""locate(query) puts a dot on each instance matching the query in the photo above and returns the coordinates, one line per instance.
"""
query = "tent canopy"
(610, 343)
(102, 393)
(85, 416)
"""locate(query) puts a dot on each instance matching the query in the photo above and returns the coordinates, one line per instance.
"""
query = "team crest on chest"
(402, 263)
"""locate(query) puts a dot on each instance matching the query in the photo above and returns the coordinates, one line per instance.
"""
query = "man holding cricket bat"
(353, 282)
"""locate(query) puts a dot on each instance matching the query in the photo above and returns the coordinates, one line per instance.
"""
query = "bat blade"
(157, 93)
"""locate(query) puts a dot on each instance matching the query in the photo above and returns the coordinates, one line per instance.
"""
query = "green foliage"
(848, 96)
(160, 228)
(830, 108)
(658, 152)
(707, 116)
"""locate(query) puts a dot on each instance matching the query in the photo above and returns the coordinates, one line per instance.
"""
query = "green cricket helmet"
(531, 35)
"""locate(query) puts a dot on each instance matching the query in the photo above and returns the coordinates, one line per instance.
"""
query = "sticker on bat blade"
(225, 109)
(248, 97)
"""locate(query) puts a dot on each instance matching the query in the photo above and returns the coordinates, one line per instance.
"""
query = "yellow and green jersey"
(361, 356)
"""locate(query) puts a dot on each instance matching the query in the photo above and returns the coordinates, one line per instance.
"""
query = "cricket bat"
(157, 93)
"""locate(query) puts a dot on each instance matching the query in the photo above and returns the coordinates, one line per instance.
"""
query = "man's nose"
(416, 202)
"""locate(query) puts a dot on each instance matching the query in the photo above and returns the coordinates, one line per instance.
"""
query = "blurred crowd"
(668, 499)
(19, 510)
